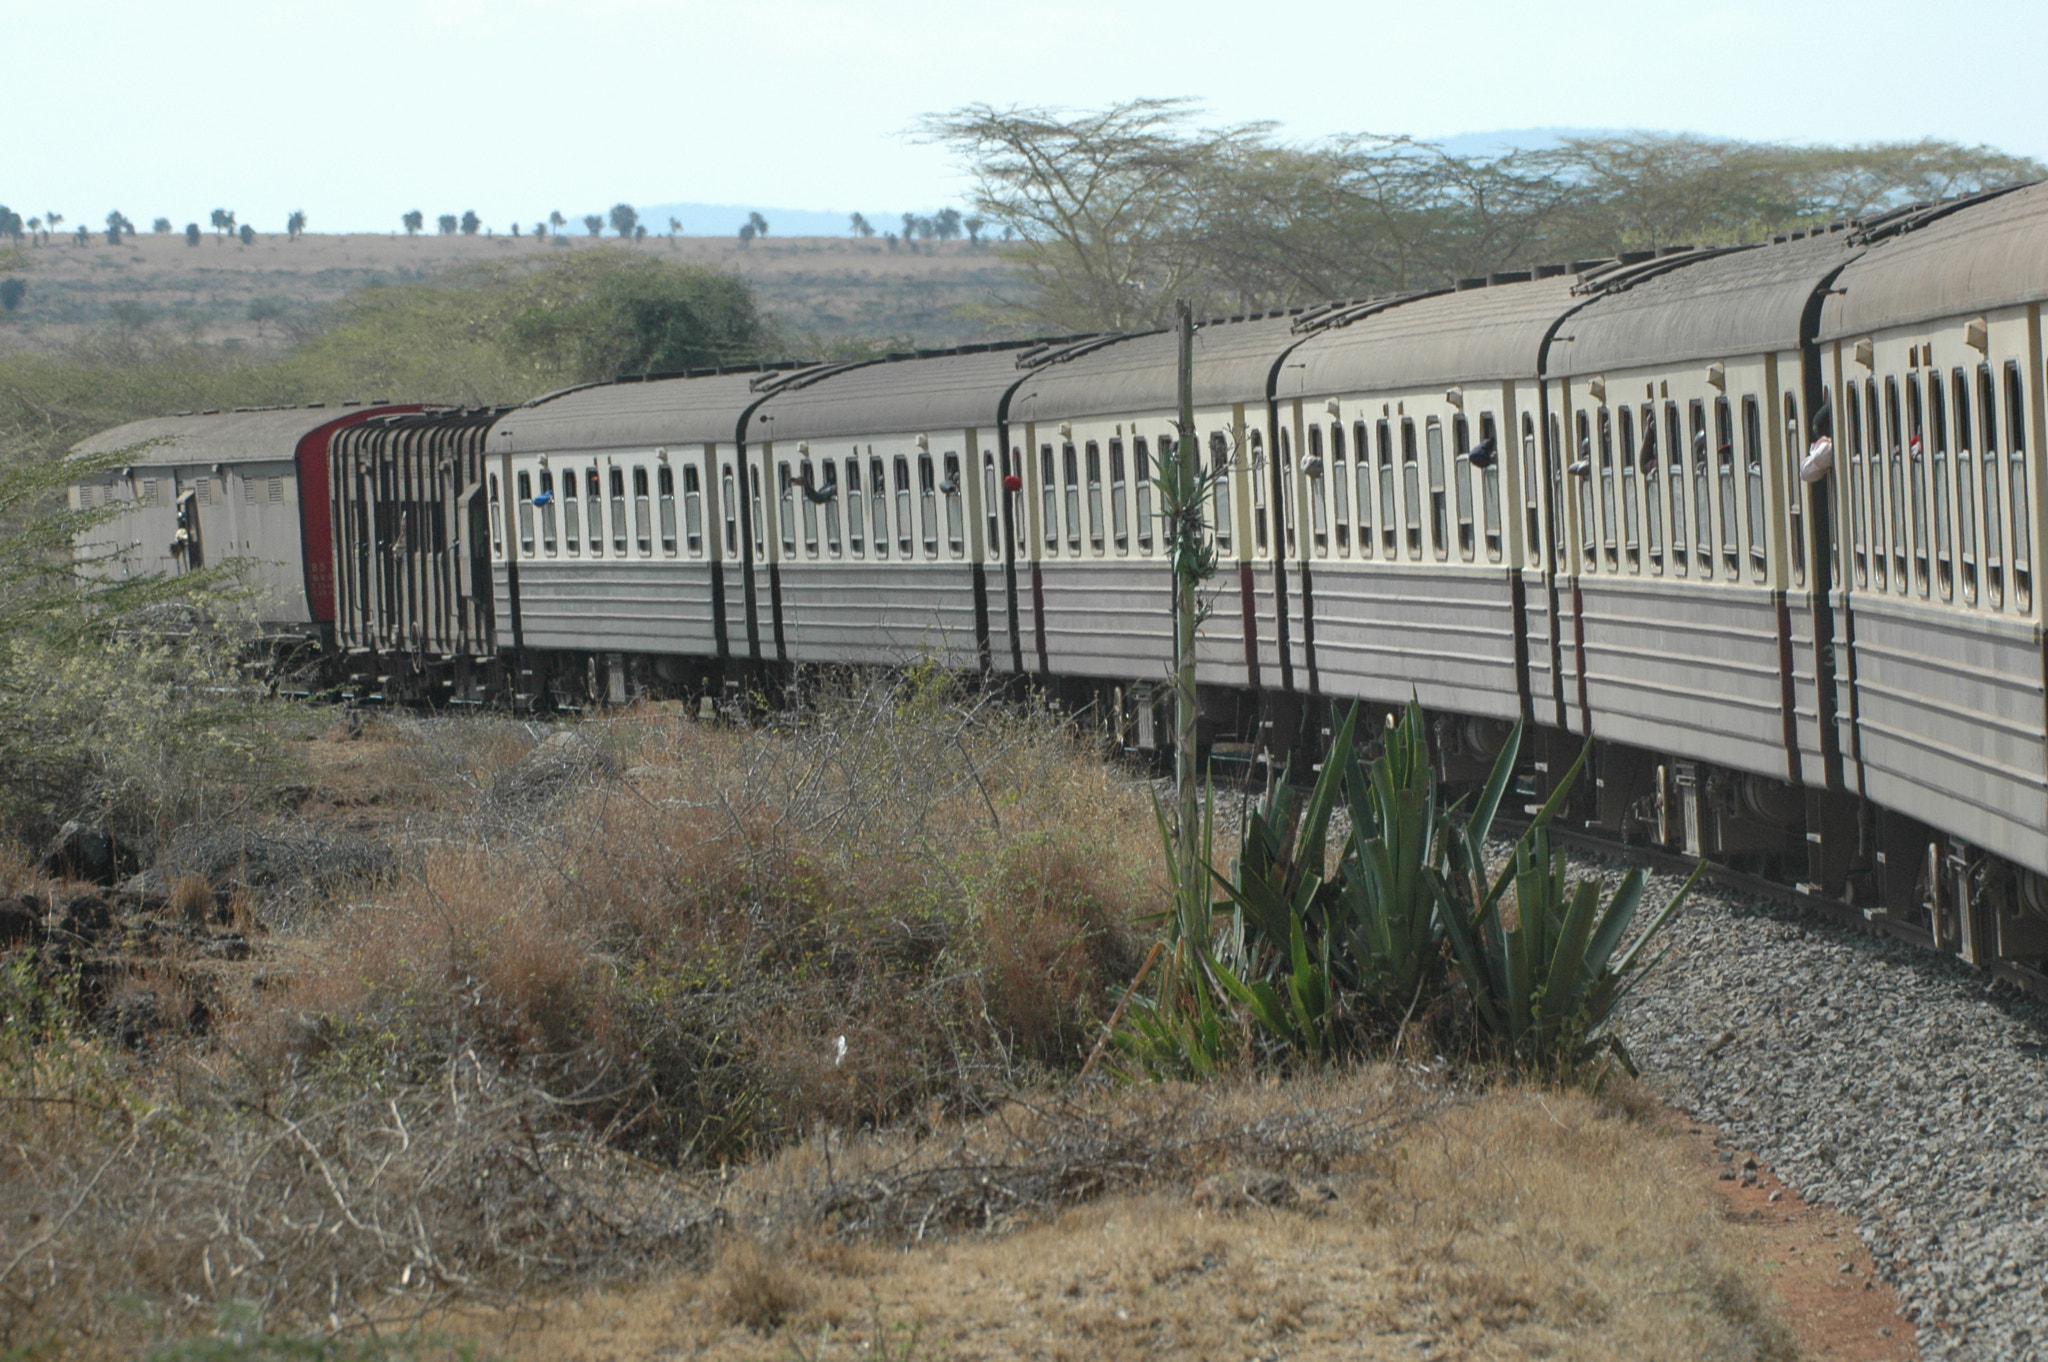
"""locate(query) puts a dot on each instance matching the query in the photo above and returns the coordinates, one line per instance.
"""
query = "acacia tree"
(295, 224)
(624, 218)
(557, 221)
(223, 223)
(413, 222)
(861, 227)
(447, 222)
(758, 223)
(471, 223)
(593, 224)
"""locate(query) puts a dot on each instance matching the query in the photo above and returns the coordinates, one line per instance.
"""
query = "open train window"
(1070, 469)
(1882, 490)
(1653, 489)
(572, 529)
(545, 503)
(1852, 434)
(1610, 507)
(497, 520)
(1361, 449)
(878, 504)
(927, 506)
(1119, 500)
(806, 488)
(1390, 525)
(785, 498)
(1631, 499)
(1340, 489)
(1937, 474)
(643, 515)
(903, 530)
(856, 508)
(1288, 514)
(1753, 483)
(1724, 464)
(1439, 528)
(1987, 459)
(1219, 460)
(1795, 489)
(1411, 486)
(1702, 460)
(1589, 525)
(1674, 460)
(1489, 486)
(1555, 459)
(1461, 486)
(1532, 497)
(2022, 491)
(830, 508)
(1141, 471)
(728, 496)
(1318, 501)
(1966, 486)
(991, 490)
(665, 488)
(526, 514)
(1260, 473)
(956, 520)
(1916, 480)
(618, 489)
(1093, 452)
(1049, 500)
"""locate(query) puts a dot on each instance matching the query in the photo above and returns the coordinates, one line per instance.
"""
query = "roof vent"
(1588, 266)
(210, 411)
(1508, 277)
(1673, 250)
(380, 401)
(1637, 257)
(1799, 235)
(1464, 284)
(1780, 239)
(311, 406)
(1549, 271)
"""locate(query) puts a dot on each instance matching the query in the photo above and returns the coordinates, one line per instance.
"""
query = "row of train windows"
(580, 520)
(1925, 507)
(210, 491)
(1452, 500)
(1074, 482)
(1717, 511)
(854, 512)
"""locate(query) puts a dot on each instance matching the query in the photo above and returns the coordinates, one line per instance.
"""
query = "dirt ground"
(832, 287)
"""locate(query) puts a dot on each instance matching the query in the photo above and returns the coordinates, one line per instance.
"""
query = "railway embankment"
(1900, 1087)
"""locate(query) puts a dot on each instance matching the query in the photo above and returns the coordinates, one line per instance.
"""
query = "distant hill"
(724, 219)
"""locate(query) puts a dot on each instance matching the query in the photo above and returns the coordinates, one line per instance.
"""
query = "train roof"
(1704, 306)
(638, 413)
(1478, 334)
(1945, 260)
(955, 390)
(223, 436)
(1140, 373)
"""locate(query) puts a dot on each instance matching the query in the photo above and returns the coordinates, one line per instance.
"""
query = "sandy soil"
(831, 286)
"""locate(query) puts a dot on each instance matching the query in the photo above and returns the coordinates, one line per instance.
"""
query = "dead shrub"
(192, 900)
(756, 1287)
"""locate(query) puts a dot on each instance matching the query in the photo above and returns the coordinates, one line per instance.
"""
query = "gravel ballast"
(1896, 1085)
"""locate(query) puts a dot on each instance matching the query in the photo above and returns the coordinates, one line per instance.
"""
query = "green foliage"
(1122, 210)
(1327, 964)
(601, 314)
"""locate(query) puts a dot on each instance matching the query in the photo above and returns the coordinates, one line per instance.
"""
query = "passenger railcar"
(1760, 522)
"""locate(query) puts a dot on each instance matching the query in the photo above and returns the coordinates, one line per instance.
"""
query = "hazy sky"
(357, 112)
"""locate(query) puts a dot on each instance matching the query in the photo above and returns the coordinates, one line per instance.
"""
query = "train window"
(1589, 534)
(1461, 485)
(1093, 453)
(1260, 473)
(1610, 507)
(1318, 504)
(665, 488)
(1795, 489)
(990, 490)
(1070, 467)
(1489, 485)
(1288, 514)
(830, 507)
(497, 520)
(1895, 490)
(1141, 468)
(572, 529)
(1966, 432)
(1555, 460)
(1631, 502)
(1532, 500)
(545, 502)
(856, 509)
(878, 504)
(619, 512)
(525, 512)
(1340, 489)
(1219, 460)
(728, 504)
(1050, 501)
(760, 518)
(1653, 489)
(1852, 435)
(1119, 500)
(807, 487)
(1411, 487)
(1937, 472)
(1361, 449)
(643, 515)
(1724, 466)
(2022, 492)
(903, 530)
(785, 495)
(927, 506)
(1916, 475)
(1966, 490)
(1439, 528)
(1390, 525)
(1674, 458)
(593, 511)
(1702, 459)
(956, 519)
(1880, 536)
(1753, 482)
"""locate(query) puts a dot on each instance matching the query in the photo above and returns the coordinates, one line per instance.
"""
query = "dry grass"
(1387, 1217)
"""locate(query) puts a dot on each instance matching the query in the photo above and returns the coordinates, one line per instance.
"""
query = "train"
(1759, 522)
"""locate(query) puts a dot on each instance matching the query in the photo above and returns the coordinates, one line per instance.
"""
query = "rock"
(82, 852)
(86, 918)
(21, 922)
(559, 762)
